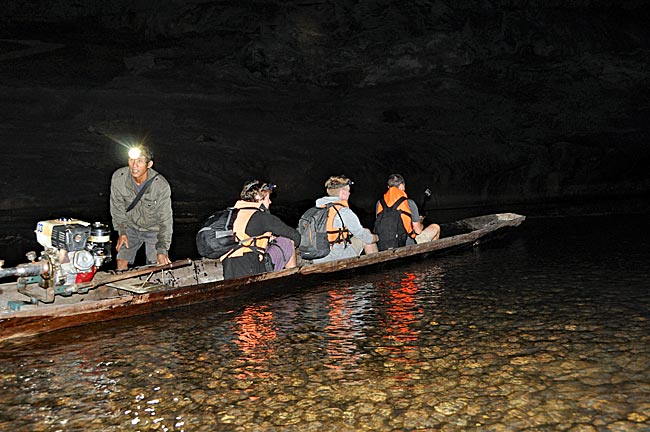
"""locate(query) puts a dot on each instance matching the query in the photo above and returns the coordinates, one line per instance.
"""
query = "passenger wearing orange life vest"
(409, 229)
(265, 242)
(347, 237)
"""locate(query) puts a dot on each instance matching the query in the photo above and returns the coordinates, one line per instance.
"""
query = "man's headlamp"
(268, 186)
(140, 151)
(257, 185)
(135, 152)
(337, 182)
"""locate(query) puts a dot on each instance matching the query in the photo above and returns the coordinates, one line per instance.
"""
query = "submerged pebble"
(528, 336)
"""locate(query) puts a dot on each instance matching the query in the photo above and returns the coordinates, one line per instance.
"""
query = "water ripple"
(547, 330)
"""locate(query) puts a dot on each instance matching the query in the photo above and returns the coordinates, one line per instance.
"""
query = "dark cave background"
(540, 107)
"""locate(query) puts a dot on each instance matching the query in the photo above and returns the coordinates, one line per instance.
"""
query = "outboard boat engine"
(73, 251)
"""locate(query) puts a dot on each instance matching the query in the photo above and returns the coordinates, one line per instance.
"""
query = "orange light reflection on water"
(343, 329)
(254, 336)
(403, 312)
(400, 326)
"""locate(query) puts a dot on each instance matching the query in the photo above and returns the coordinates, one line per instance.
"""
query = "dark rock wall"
(487, 102)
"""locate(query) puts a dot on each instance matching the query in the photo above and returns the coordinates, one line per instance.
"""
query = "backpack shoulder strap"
(384, 206)
(343, 231)
(396, 204)
(235, 210)
(336, 207)
(399, 201)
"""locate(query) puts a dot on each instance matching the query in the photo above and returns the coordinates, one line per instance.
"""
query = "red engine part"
(87, 276)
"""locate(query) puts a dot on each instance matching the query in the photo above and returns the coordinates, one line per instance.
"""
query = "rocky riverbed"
(524, 333)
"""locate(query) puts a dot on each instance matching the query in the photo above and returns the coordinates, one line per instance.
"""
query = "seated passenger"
(266, 243)
(351, 238)
(398, 221)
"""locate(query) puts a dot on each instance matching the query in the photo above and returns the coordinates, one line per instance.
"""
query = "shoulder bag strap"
(144, 188)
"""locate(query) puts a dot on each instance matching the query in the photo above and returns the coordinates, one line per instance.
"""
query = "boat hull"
(200, 281)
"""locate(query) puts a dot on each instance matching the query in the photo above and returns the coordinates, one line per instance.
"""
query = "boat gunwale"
(130, 304)
(307, 269)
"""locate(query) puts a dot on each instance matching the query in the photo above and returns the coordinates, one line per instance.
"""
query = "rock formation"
(490, 103)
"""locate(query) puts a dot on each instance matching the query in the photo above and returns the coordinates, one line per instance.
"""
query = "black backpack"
(216, 237)
(312, 227)
(389, 227)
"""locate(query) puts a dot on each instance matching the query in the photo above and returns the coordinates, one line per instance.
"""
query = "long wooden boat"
(150, 289)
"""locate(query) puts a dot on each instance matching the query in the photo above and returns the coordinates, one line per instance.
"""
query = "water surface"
(546, 329)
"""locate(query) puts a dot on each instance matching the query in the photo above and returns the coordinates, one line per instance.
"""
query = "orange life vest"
(390, 197)
(247, 243)
(334, 234)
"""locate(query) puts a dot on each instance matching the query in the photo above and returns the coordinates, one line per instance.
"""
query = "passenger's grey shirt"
(353, 224)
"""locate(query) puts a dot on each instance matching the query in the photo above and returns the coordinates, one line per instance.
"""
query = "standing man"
(398, 221)
(141, 208)
(347, 237)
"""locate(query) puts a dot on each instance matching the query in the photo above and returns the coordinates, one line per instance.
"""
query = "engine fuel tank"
(63, 234)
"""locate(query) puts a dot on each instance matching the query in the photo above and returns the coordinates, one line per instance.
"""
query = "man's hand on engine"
(122, 240)
(163, 259)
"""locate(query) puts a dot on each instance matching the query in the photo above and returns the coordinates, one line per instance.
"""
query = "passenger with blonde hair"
(347, 237)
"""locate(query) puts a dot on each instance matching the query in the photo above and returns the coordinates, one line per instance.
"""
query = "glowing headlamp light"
(135, 152)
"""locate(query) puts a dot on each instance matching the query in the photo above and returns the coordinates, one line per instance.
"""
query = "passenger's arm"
(352, 222)
(280, 229)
